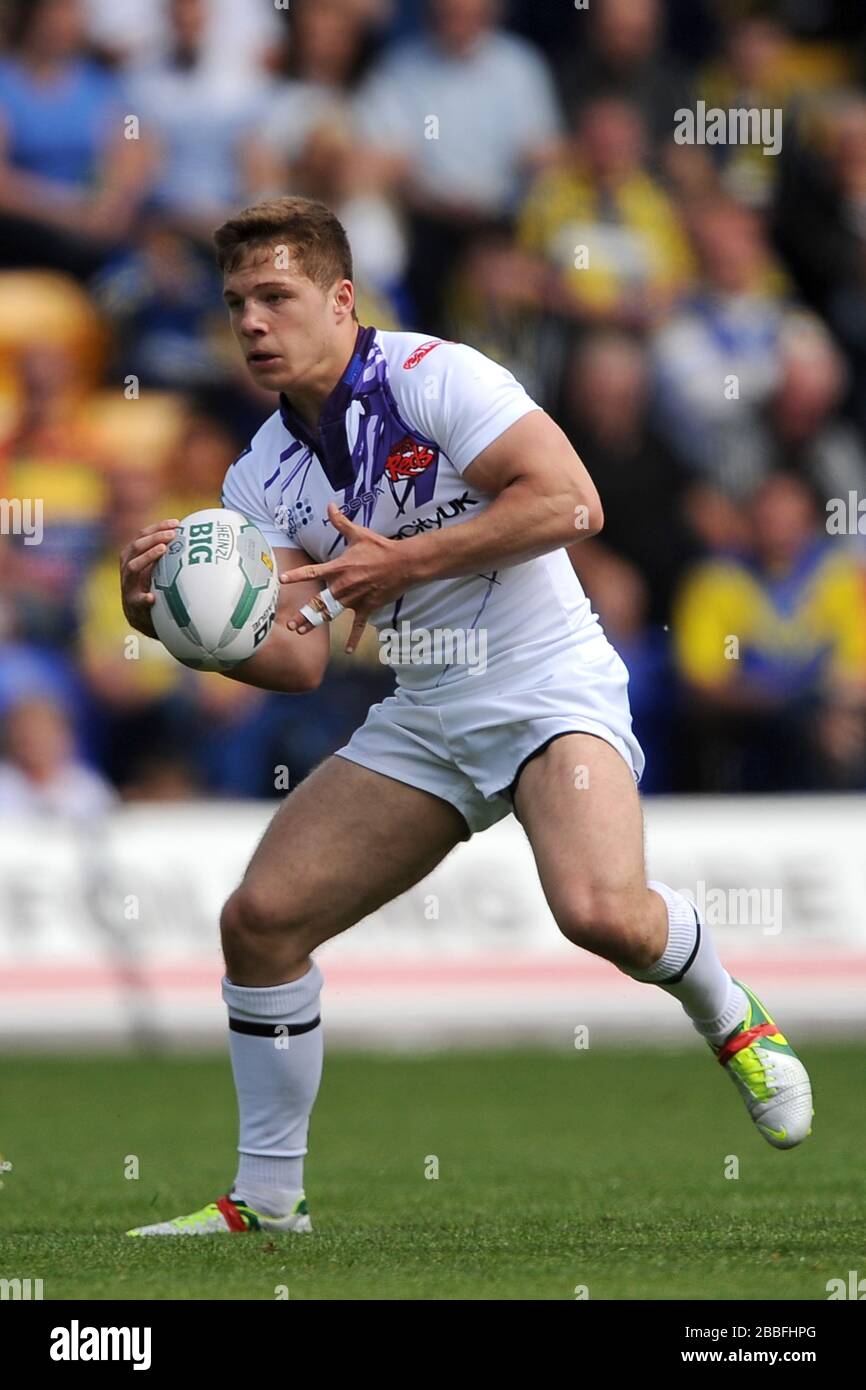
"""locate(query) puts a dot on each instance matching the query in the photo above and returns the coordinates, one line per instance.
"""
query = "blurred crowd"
(693, 315)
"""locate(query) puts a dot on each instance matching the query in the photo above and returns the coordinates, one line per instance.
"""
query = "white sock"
(689, 968)
(276, 1045)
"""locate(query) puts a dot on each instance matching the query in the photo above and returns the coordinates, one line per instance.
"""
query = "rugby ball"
(215, 590)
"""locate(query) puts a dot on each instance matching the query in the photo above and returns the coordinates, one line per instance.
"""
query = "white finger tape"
(333, 605)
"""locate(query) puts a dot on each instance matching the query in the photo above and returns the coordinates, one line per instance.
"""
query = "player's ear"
(344, 299)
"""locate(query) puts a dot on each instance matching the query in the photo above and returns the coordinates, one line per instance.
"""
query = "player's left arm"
(544, 499)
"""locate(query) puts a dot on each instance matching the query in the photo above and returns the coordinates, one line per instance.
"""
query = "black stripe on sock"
(272, 1030)
(675, 979)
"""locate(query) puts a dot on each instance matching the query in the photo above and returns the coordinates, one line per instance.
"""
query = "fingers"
(141, 564)
(343, 523)
(305, 572)
(136, 563)
(151, 537)
(357, 629)
(143, 553)
(162, 531)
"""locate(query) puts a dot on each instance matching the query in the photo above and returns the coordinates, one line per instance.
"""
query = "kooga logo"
(77, 1343)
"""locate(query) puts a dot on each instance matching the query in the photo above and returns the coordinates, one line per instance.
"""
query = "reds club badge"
(408, 458)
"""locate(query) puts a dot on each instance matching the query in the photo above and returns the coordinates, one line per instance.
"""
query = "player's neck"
(308, 399)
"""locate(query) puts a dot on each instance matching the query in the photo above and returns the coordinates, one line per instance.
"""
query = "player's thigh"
(344, 842)
(579, 806)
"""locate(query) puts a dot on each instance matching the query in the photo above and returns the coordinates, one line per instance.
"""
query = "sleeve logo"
(420, 353)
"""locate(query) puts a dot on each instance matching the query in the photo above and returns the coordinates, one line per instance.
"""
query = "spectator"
(800, 430)
(51, 463)
(310, 130)
(136, 688)
(717, 359)
(771, 643)
(618, 52)
(456, 119)
(331, 172)
(195, 470)
(325, 49)
(70, 183)
(238, 39)
(606, 416)
(620, 595)
(820, 224)
(495, 303)
(204, 127)
(161, 299)
(155, 776)
(40, 774)
(760, 68)
(605, 227)
(28, 668)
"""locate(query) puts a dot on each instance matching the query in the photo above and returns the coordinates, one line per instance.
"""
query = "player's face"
(286, 325)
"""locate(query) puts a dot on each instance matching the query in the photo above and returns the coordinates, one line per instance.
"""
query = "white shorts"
(467, 742)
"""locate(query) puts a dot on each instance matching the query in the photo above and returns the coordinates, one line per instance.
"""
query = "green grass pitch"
(603, 1168)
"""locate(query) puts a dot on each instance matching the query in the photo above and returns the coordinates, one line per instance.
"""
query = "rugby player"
(413, 481)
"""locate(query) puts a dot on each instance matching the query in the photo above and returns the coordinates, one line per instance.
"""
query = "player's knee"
(589, 916)
(253, 917)
(610, 923)
(260, 933)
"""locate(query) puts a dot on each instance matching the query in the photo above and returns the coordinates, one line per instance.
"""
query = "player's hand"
(136, 570)
(370, 572)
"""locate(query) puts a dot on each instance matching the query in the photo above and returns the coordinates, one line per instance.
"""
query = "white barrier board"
(111, 934)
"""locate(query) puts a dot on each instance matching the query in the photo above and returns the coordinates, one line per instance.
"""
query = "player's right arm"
(286, 661)
(282, 662)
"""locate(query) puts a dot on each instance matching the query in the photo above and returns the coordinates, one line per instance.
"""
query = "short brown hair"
(309, 228)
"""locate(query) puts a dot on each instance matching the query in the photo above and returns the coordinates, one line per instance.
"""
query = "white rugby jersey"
(395, 436)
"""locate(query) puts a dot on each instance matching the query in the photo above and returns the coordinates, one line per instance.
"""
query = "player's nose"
(251, 325)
